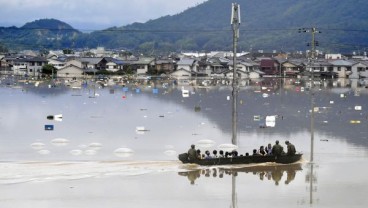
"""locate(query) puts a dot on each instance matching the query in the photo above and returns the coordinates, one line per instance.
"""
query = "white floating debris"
(355, 122)
(76, 152)
(228, 97)
(185, 93)
(44, 152)
(332, 102)
(358, 108)
(270, 121)
(170, 152)
(95, 146)
(60, 142)
(58, 117)
(38, 145)
(265, 95)
(169, 146)
(123, 152)
(342, 95)
(90, 152)
(141, 128)
(205, 143)
(227, 147)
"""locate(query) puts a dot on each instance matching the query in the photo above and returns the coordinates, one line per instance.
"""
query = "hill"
(39, 34)
(266, 24)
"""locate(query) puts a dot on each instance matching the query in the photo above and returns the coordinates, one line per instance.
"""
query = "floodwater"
(116, 144)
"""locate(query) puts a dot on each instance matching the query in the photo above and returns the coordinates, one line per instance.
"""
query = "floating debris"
(76, 152)
(49, 127)
(38, 145)
(205, 143)
(58, 117)
(270, 121)
(60, 142)
(90, 152)
(44, 152)
(355, 122)
(170, 153)
(358, 108)
(141, 128)
(95, 146)
(123, 152)
(256, 118)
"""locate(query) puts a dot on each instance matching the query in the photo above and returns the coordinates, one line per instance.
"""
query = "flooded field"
(115, 143)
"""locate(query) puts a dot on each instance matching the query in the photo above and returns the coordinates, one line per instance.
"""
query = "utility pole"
(311, 59)
(235, 22)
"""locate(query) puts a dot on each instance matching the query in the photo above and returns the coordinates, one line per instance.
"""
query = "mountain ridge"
(266, 24)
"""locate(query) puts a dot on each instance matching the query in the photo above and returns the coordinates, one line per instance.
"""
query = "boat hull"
(283, 159)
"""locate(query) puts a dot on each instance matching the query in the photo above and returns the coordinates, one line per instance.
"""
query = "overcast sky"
(89, 14)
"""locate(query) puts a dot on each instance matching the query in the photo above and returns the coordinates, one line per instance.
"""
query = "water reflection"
(273, 173)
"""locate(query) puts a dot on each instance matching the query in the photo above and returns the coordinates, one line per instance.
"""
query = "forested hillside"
(266, 24)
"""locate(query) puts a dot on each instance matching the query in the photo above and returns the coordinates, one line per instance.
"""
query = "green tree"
(49, 69)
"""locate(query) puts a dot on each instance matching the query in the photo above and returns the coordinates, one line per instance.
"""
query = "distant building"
(70, 71)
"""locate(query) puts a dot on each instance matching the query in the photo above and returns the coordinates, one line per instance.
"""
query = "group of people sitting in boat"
(276, 150)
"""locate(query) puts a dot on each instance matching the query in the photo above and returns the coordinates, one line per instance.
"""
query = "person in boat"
(221, 154)
(227, 154)
(262, 151)
(199, 156)
(290, 148)
(277, 149)
(192, 153)
(215, 153)
(255, 153)
(207, 156)
(234, 153)
(268, 149)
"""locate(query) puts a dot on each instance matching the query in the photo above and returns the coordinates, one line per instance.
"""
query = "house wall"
(112, 67)
(358, 70)
(75, 63)
(56, 64)
(181, 74)
(342, 71)
(70, 72)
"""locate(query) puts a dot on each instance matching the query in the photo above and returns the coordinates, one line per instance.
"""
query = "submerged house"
(70, 71)
(359, 70)
(26, 65)
(269, 67)
(143, 64)
(181, 74)
(342, 68)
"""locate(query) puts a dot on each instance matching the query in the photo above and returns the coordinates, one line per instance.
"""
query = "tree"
(49, 69)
